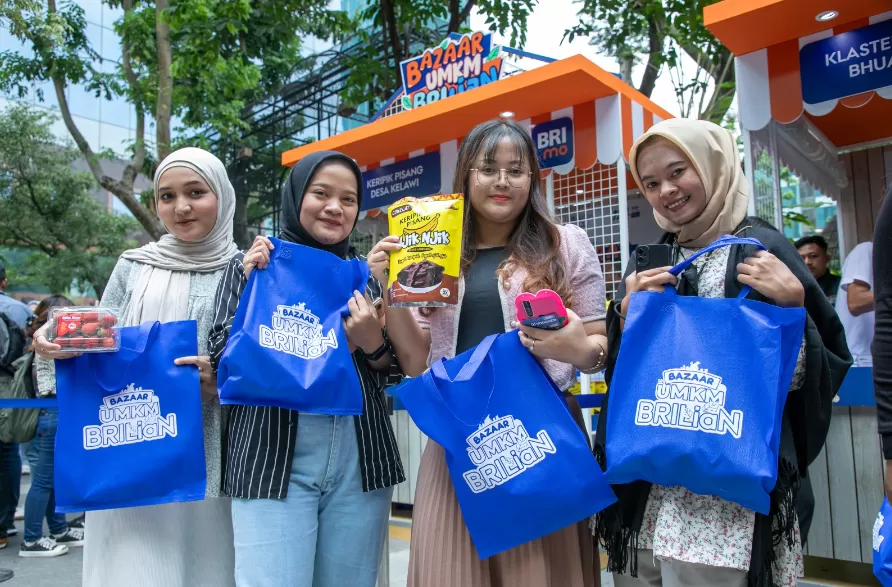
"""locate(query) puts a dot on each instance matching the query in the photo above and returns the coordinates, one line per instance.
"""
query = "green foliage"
(46, 208)
(663, 30)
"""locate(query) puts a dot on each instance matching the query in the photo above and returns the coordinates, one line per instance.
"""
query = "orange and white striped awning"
(608, 115)
(766, 36)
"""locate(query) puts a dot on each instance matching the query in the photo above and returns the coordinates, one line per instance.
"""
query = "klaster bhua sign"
(847, 64)
(458, 64)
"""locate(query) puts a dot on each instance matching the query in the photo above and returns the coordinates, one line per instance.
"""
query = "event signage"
(458, 64)
(417, 177)
(847, 64)
(554, 142)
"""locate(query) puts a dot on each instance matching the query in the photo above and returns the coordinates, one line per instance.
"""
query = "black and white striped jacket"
(258, 442)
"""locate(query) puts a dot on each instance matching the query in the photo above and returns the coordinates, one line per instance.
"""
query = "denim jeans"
(10, 483)
(41, 500)
(327, 532)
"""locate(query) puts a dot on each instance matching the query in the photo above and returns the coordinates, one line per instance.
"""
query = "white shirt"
(859, 329)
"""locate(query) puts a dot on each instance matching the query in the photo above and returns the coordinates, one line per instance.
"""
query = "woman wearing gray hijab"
(179, 544)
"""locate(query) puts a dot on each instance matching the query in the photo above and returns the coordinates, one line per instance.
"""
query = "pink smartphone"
(543, 310)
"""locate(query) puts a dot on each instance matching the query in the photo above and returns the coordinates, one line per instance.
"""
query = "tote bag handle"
(724, 241)
(111, 371)
(468, 370)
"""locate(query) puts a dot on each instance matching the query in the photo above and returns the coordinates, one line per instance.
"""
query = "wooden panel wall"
(847, 479)
(870, 172)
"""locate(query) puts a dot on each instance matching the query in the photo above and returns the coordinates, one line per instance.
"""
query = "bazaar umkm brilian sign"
(458, 64)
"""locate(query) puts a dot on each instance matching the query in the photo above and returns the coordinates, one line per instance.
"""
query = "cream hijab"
(713, 152)
(162, 289)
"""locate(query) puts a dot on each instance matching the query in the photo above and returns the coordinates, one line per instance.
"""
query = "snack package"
(84, 329)
(425, 271)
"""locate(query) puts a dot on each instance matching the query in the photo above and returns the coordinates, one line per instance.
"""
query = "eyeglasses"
(517, 178)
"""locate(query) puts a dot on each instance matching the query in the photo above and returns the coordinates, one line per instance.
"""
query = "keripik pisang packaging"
(84, 329)
(425, 271)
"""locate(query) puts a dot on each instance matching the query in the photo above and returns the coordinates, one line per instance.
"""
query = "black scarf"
(806, 413)
(292, 200)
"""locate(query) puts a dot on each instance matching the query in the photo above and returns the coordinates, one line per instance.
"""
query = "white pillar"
(749, 168)
(775, 168)
(622, 197)
(549, 192)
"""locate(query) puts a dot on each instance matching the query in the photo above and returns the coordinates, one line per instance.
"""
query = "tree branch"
(165, 84)
(139, 149)
(655, 40)
(388, 20)
(463, 15)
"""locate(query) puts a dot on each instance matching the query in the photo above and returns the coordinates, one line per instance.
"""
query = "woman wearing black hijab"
(311, 493)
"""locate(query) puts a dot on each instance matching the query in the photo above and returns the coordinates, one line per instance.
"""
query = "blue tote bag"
(288, 347)
(130, 424)
(520, 465)
(882, 545)
(698, 391)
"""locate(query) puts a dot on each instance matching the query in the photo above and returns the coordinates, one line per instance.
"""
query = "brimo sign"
(554, 142)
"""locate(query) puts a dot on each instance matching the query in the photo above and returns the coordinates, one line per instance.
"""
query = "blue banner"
(554, 142)
(416, 177)
(847, 64)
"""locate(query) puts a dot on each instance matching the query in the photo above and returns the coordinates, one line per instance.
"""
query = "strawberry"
(75, 343)
(90, 328)
(108, 343)
(91, 343)
(63, 342)
(109, 320)
(91, 317)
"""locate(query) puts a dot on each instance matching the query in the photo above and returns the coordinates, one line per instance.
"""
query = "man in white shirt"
(854, 303)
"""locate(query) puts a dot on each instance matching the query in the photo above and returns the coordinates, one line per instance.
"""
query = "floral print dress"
(685, 527)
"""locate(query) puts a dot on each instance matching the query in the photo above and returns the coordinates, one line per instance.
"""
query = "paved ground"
(65, 571)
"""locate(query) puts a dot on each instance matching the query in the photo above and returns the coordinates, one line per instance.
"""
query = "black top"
(806, 418)
(829, 284)
(258, 442)
(481, 306)
(882, 338)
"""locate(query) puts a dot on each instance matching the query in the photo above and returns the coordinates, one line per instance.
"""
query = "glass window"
(116, 111)
(111, 45)
(110, 15)
(94, 36)
(83, 102)
(90, 130)
(59, 130)
(114, 137)
(92, 10)
(49, 96)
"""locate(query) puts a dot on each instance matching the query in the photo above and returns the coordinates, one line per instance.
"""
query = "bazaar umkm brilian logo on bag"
(128, 417)
(690, 398)
(297, 331)
(501, 449)
(877, 527)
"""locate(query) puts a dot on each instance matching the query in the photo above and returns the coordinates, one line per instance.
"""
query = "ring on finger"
(532, 346)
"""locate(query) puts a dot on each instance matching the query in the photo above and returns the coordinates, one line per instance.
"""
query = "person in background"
(854, 303)
(10, 456)
(813, 250)
(882, 341)
(41, 502)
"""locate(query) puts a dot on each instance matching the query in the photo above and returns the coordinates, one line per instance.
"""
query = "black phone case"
(653, 256)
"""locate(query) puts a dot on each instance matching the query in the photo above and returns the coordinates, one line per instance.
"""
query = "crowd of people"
(304, 499)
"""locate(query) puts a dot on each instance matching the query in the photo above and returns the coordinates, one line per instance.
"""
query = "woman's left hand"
(205, 374)
(362, 326)
(562, 345)
(769, 276)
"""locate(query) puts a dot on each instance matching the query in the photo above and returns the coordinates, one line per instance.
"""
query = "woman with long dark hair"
(511, 245)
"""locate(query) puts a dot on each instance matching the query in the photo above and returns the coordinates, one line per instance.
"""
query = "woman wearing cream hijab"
(690, 173)
(179, 544)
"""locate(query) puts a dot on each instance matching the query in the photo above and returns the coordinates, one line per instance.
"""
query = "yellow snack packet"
(425, 271)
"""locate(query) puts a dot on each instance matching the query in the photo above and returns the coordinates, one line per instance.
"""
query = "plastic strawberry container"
(84, 329)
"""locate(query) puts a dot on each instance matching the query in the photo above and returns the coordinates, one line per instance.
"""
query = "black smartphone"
(652, 256)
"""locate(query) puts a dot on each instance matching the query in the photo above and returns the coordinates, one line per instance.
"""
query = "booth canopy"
(767, 35)
(607, 117)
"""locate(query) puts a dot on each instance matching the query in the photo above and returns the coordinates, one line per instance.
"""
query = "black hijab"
(292, 200)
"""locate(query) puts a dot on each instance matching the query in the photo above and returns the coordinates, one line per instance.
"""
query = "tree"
(222, 54)
(46, 207)
(663, 31)
(400, 28)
